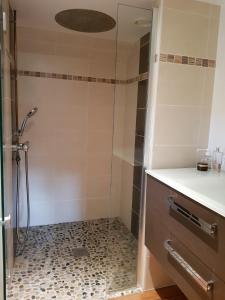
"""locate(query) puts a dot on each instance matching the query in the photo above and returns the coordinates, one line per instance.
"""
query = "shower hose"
(22, 234)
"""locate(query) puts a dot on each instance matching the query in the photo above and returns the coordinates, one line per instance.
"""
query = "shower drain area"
(80, 252)
(93, 260)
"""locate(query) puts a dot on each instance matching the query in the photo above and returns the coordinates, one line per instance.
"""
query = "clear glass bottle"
(217, 159)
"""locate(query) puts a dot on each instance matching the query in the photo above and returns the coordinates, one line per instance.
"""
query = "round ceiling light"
(85, 20)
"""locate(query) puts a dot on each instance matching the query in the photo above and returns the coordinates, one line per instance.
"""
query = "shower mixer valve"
(24, 146)
(21, 146)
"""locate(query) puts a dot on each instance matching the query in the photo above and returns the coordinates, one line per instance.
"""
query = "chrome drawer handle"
(207, 286)
(209, 229)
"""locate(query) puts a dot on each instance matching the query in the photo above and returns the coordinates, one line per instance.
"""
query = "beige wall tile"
(185, 85)
(99, 142)
(190, 38)
(208, 88)
(101, 119)
(176, 125)
(203, 138)
(53, 64)
(100, 107)
(97, 208)
(213, 31)
(57, 112)
(45, 47)
(123, 50)
(69, 211)
(101, 95)
(98, 186)
(173, 157)
(106, 68)
(192, 6)
(78, 114)
(99, 164)
(48, 51)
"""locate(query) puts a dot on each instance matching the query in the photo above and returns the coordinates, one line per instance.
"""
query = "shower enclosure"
(7, 109)
(85, 158)
(2, 240)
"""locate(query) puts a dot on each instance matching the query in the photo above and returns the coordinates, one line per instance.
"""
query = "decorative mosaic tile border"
(188, 60)
(141, 77)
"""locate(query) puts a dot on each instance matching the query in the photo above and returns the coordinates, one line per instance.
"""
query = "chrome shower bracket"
(6, 220)
(21, 147)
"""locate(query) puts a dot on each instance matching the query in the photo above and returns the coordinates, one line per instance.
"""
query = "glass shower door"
(2, 258)
(2, 267)
(7, 99)
(2, 285)
(2, 273)
(130, 108)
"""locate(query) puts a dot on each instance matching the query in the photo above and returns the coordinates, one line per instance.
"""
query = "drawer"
(193, 277)
(201, 230)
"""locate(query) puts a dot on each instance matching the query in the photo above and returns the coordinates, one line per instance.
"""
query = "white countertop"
(206, 188)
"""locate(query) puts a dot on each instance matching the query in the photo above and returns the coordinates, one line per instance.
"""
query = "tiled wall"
(71, 134)
(217, 138)
(142, 96)
(71, 79)
(182, 104)
(186, 78)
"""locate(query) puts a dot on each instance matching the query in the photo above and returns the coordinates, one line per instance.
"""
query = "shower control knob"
(25, 146)
(21, 146)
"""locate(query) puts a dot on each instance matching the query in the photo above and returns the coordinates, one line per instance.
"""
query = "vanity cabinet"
(187, 239)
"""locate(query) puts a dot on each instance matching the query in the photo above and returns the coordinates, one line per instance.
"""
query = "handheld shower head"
(32, 112)
(24, 123)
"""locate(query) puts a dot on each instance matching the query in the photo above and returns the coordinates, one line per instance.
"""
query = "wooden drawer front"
(191, 224)
(158, 235)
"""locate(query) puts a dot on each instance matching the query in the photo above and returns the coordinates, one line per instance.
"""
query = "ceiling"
(41, 14)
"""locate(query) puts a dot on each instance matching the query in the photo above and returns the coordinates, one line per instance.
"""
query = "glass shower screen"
(132, 68)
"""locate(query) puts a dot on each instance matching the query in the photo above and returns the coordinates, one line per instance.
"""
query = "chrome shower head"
(32, 112)
(24, 123)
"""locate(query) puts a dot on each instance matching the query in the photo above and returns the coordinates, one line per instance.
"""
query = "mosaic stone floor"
(48, 268)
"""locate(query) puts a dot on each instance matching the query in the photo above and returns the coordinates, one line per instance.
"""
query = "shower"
(75, 211)
(21, 236)
(27, 117)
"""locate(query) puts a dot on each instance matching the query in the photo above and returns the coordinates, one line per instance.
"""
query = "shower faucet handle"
(24, 146)
(21, 146)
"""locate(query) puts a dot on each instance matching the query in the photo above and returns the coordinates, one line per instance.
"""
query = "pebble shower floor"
(48, 268)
